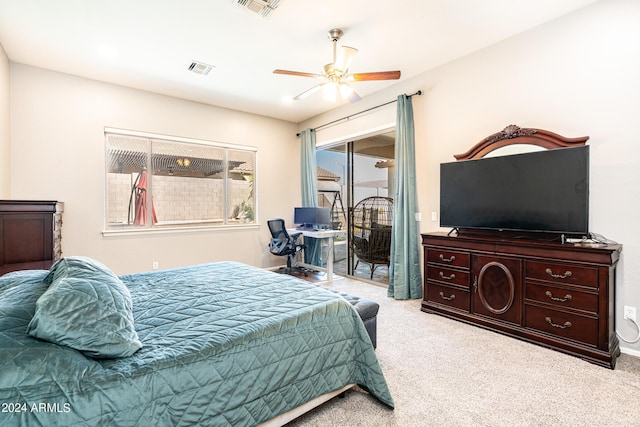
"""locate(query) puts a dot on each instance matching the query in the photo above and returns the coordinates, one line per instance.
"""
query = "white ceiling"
(149, 44)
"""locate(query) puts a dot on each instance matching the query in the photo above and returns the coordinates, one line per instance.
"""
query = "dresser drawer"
(562, 273)
(447, 257)
(562, 297)
(448, 275)
(453, 297)
(562, 324)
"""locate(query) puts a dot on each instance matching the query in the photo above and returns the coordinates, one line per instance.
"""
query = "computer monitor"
(310, 218)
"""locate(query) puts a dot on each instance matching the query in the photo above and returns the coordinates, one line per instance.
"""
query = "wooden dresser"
(30, 234)
(561, 296)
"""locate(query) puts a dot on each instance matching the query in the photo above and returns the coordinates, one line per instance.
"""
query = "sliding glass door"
(355, 180)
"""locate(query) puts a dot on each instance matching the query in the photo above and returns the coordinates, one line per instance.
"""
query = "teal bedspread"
(223, 344)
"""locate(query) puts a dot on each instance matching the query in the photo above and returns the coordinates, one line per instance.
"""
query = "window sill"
(175, 230)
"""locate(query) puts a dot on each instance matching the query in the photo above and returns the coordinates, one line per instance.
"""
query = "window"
(156, 181)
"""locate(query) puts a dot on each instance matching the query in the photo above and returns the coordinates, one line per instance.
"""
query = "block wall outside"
(176, 198)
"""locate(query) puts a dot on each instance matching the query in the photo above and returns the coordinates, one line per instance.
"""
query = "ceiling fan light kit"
(335, 75)
(330, 92)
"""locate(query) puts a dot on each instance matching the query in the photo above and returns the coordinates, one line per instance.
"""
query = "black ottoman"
(368, 311)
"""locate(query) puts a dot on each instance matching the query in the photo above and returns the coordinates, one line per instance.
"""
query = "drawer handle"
(558, 276)
(451, 277)
(566, 325)
(566, 298)
(453, 258)
(452, 297)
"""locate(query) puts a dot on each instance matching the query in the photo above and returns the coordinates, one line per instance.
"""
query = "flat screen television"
(311, 217)
(542, 191)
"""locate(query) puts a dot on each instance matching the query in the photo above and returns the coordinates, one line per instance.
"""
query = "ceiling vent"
(262, 7)
(200, 68)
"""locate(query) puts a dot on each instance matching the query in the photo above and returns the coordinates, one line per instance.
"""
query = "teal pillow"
(88, 308)
(77, 266)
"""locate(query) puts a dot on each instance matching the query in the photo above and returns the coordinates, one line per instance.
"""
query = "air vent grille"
(262, 7)
(200, 68)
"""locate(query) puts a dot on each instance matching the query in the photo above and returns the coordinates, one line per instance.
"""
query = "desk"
(321, 234)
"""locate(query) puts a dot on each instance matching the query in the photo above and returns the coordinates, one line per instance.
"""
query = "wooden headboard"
(513, 134)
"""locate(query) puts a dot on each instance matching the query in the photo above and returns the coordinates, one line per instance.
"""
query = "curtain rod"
(361, 112)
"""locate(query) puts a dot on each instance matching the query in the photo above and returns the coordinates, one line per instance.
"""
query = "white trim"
(175, 230)
(178, 139)
(357, 135)
(629, 351)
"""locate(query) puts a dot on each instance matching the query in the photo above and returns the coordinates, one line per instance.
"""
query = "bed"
(213, 344)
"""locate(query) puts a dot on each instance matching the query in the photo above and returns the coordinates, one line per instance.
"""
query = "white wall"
(58, 153)
(576, 76)
(5, 133)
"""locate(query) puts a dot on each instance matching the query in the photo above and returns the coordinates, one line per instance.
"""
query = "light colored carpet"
(442, 372)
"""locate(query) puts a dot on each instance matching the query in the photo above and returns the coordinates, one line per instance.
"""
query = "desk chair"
(283, 244)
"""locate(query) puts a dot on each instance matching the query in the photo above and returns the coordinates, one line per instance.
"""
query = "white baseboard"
(630, 351)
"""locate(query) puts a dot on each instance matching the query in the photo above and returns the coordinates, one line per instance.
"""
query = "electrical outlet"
(629, 312)
(434, 216)
(155, 265)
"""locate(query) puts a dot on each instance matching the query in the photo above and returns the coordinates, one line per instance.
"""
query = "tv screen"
(543, 191)
(310, 217)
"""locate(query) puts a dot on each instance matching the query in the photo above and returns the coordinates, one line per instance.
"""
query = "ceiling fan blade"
(308, 92)
(377, 75)
(296, 73)
(345, 56)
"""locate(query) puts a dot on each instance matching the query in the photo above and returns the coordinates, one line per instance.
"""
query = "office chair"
(284, 244)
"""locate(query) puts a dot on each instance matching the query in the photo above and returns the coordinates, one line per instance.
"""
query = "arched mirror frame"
(514, 134)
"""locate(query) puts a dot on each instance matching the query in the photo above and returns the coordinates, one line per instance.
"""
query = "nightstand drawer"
(562, 273)
(562, 297)
(453, 297)
(448, 275)
(449, 258)
(562, 324)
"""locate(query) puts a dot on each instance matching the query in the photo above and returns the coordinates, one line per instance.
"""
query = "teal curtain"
(405, 280)
(309, 181)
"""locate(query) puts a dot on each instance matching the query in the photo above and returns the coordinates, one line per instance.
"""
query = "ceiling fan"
(335, 78)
